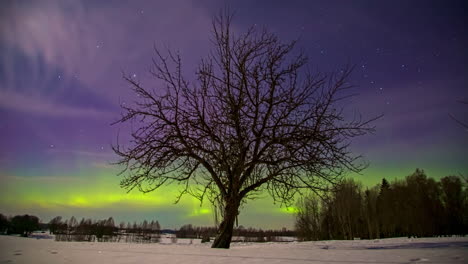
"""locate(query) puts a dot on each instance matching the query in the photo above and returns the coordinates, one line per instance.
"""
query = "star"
(134, 75)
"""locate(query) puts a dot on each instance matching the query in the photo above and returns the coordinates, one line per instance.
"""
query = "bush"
(205, 239)
(23, 224)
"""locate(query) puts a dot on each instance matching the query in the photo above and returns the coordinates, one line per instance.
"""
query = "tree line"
(84, 230)
(240, 233)
(416, 206)
(104, 230)
(107, 230)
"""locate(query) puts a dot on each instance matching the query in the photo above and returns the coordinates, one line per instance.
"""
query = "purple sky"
(61, 65)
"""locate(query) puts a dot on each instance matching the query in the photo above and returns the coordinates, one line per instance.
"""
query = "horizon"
(61, 86)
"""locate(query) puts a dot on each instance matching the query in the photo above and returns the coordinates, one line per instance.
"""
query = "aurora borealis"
(61, 85)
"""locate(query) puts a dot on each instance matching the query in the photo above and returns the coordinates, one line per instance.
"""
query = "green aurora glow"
(92, 193)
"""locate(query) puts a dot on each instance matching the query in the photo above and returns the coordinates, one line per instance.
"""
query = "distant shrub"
(205, 239)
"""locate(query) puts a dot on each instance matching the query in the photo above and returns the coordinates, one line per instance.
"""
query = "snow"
(393, 250)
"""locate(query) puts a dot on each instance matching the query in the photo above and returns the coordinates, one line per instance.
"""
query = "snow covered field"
(393, 250)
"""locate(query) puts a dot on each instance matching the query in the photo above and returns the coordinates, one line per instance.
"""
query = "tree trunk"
(223, 239)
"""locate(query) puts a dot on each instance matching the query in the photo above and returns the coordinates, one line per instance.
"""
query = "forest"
(416, 206)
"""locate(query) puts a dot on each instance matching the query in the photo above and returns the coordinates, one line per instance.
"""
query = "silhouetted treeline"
(104, 230)
(144, 232)
(416, 206)
(190, 231)
(85, 230)
(239, 233)
(260, 235)
(19, 224)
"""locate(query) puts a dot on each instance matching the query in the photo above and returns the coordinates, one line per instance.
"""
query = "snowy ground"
(393, 250)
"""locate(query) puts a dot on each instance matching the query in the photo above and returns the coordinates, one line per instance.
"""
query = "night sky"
(61, 85)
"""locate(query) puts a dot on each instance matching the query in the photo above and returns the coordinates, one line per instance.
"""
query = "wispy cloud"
(83, 153)
(103, 165)
(42, 106)
(50, 29)
(93, 41)
(8, 179)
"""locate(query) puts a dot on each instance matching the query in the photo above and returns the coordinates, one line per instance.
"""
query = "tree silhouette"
(452, 198)
(309, 218)
(254, 120)
(371, 213)
(23, 224)
(55, 224)
(3, 223)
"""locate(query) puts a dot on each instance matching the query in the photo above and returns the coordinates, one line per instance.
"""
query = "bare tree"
(254, 120)
(309, 218)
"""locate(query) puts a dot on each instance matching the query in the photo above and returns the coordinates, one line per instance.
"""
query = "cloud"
(51, 30)
(103, 165)
(8, 179)
(83, 153)
(42, 106)
(95, 41)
